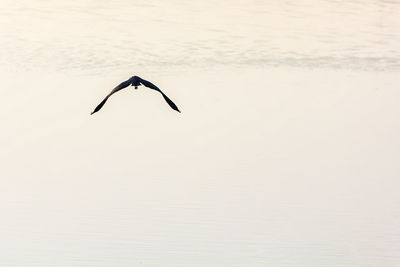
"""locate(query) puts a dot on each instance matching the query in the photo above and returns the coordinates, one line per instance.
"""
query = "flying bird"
(135, 81)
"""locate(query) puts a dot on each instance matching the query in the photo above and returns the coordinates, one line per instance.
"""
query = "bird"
(135, 81)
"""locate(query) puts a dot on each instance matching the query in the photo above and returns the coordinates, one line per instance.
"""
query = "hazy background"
(286, 152)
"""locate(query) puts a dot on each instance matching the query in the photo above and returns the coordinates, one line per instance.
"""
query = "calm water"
(286, 152)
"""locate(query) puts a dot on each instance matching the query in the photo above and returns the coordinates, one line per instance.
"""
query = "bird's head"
(135, 81)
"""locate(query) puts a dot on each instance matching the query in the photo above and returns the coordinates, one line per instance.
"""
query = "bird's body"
(135, 81)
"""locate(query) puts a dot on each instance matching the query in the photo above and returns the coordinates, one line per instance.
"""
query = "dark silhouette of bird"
(135, 81)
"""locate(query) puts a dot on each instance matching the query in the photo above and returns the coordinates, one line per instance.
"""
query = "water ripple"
(96, 35)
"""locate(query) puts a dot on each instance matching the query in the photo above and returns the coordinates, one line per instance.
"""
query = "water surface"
(98, 35)
(285, 154)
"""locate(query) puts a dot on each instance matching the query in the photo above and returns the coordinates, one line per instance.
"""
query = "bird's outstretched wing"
(152, 86)
(116, 89)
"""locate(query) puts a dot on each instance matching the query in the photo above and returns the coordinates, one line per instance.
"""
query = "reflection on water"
(98, 35)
